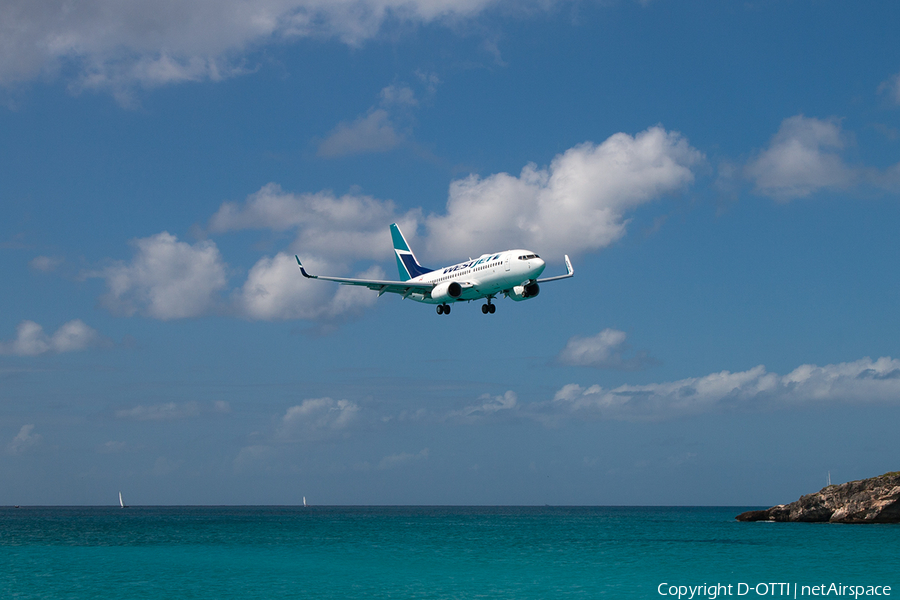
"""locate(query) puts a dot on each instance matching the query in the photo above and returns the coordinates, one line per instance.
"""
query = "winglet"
(569, 273)
(305, 274)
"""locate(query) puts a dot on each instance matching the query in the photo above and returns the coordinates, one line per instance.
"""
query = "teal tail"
(407, 264)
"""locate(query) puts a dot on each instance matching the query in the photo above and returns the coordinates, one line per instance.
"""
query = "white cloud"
(32, 341)
(490, 405)
(348, 227)
(276, 290)
(400, 95)
(115, 44)
(167, 279)
(342, 228)
(891, 88)
(169, 411)
(45, 263)
(74, 335)
(803, 157)
(379, 130)
(861, 381)
(24, 440)
(606, 350)
(317, 417)
(579, 203)
(374, 132)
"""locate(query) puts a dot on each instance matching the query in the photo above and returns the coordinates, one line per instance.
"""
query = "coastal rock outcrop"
(874, 500)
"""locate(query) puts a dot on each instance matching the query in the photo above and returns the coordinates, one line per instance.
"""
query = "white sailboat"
(121, 503)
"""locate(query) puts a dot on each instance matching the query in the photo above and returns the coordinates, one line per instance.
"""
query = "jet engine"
(444, 292)
(524, 292)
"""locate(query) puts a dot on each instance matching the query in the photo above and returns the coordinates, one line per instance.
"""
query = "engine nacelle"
(447, 291)
(525, 292)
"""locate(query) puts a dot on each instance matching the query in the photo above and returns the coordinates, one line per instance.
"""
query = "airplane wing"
(381, 286)
(569, 272)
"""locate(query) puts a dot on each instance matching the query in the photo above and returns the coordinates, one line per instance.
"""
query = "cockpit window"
(528, 256)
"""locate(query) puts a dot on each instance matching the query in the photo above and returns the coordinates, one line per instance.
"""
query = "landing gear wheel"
(440, 309)
(446, 309)
(492, 308)
(485, 309)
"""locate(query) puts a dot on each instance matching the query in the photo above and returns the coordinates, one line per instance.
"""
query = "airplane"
(513, 273)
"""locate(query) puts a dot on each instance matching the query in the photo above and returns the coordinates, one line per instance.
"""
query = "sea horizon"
(406, 551)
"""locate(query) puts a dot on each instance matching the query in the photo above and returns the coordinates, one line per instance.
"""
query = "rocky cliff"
(875, 500)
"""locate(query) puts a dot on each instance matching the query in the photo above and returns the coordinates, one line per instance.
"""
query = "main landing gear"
(444, 309)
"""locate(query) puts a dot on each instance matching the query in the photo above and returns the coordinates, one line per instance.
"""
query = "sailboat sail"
(304, 500)
(121, 503)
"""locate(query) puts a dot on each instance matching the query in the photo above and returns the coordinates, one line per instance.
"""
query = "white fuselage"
(485, 276)
(512, 273)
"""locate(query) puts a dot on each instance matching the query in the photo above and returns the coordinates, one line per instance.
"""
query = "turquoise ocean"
(434, 552)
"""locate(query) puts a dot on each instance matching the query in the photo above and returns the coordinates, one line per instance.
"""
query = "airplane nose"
(538, 265)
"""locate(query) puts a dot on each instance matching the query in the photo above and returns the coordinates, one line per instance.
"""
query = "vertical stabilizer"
(407, 264)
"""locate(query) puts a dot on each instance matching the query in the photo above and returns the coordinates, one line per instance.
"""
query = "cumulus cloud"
(25, 439)
(32, 341)
(860, 381)
(169, 411)
(169, 279)
(343, 229)
(348, 227)
(166, 279)
(275, 290)
(579, 203)
(379, 130)
(115, 45)
(489, 405)
(374, 132)
(317, 417)
(400, 94)
(606, 350)
(802, 158)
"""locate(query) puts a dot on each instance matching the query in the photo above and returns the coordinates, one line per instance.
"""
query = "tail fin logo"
(407, 264)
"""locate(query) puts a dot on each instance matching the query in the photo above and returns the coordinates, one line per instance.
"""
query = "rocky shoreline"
(874, 500)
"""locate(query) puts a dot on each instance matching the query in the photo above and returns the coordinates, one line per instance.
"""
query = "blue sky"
(724, 175)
